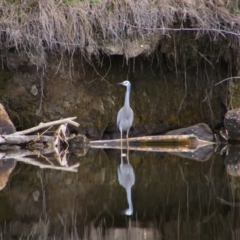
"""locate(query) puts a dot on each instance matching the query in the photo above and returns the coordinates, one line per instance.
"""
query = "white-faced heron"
(125, 115)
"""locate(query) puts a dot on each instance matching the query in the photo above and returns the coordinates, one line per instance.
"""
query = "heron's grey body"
(126, 178)
(125, 115)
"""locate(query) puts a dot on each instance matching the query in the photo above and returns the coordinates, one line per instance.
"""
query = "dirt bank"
(63, 58)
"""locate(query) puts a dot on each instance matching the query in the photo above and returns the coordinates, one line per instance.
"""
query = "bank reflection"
(232, 160)
(126, 179)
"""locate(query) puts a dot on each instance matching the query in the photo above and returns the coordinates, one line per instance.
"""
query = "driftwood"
(20, 137)
(22, 155)
(40, 145)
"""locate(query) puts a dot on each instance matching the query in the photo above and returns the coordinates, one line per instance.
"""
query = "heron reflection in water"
(126, 178)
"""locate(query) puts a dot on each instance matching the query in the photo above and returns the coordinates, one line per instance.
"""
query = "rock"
(6, 167)
(6, 125)
(34, 90)
(232, 160)
(201, 154)
(36, 195)
(232, 123)
(134, 47)
(201, 130)
(233, 169)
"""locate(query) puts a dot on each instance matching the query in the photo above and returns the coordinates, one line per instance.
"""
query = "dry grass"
(68, 26)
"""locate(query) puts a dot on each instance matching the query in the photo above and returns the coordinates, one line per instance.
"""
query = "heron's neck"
(129, 197)
(127, 96)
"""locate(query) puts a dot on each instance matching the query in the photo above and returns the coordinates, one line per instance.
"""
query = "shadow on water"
(166, 196)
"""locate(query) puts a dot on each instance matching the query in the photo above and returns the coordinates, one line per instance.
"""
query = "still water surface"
(168, 196)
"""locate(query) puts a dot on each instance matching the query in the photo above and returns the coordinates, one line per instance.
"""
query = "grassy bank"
(110, 26)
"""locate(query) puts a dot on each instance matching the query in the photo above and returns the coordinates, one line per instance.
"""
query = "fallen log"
(168, 149)
(22, 139)
(19, 153)
(160, 143)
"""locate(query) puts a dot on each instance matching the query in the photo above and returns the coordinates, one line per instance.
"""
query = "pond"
(170, 196)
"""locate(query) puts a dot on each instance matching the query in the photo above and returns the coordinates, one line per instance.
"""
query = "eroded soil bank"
(162, 98)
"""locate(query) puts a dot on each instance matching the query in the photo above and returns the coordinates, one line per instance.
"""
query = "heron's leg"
(121, 159)
(127, 139)
(121, 139)
(128, 155)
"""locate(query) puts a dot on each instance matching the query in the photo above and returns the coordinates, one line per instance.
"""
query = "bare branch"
(48, 124)
(31, 161)
(226, 79)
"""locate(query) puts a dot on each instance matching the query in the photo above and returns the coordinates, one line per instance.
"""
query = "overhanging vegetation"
(124, 27)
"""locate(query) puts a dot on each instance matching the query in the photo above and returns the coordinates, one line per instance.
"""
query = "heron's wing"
(119, 176)
(119, 117)
(132, 116)
(126, 176)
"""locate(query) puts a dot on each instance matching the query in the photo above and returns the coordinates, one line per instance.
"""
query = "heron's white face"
(125, 83)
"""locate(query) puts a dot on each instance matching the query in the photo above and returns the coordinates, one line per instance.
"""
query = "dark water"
(172, 197)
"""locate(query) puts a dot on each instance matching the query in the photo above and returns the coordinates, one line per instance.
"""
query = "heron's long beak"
(119, 83)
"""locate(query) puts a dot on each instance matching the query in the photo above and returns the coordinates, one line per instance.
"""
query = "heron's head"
(127, 212)
(125, 83)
